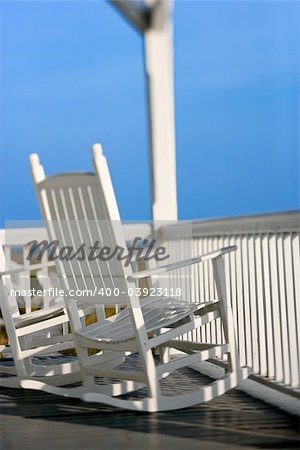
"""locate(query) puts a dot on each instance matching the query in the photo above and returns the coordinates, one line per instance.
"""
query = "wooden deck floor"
(35, 420)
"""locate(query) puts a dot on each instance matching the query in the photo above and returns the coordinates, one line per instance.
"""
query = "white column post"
(159, 70)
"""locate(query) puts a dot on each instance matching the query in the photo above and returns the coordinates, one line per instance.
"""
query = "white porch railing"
(263, 283)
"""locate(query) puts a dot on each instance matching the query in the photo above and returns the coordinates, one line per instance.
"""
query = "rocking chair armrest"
(26, 268)
(178, 265)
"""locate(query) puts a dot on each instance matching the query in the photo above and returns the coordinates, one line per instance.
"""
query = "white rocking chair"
(81, 208)
(36, 338)
(31, 335)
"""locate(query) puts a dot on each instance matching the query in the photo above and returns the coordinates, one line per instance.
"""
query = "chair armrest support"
(180, 264)
(27, 268)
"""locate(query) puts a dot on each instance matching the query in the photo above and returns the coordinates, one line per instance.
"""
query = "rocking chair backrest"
(80, 210)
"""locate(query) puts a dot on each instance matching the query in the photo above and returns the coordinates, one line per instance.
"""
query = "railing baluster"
(206, 287)
(246, 296)
(296, 272)
(276, 309)
(260, 308)
(253, 305)
(211, 289)
(202, 285)
(289, 286)
(268, 307)
(233, 282)
(283, 312)
(240, 303)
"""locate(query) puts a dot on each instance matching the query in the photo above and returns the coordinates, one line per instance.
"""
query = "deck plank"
(33, 420)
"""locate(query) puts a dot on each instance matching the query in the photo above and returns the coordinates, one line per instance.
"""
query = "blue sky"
(72, 74)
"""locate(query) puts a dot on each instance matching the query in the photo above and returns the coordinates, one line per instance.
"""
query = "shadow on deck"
(34, 420)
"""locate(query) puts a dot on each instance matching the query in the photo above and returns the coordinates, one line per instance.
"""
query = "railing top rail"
(283, 222)
(21, 236)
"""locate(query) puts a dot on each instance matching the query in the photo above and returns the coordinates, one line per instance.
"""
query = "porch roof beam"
(137, 14)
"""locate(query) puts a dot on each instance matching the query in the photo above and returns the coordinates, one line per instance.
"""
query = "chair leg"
(151, 374)
(12, 336)
(164, 357)
(164, 354)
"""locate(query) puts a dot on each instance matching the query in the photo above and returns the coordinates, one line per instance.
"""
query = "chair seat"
(158, 312)
(36, 316)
